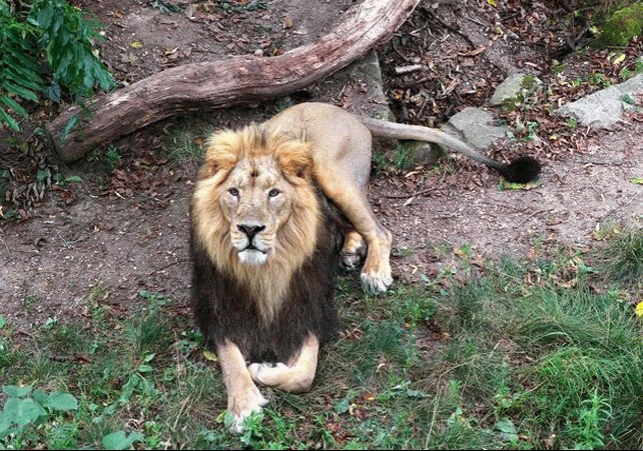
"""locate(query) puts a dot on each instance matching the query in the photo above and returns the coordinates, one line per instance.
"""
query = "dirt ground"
(126, 229)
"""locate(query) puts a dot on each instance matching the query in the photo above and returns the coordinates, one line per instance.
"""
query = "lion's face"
(255, 207)
(256, 201)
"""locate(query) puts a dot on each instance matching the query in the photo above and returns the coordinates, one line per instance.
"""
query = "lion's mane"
(267, 309)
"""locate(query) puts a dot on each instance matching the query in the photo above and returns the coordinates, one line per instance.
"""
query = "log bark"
(225, 82)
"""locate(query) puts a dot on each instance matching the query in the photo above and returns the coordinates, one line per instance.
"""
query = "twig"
(400, 70)
(532, 215)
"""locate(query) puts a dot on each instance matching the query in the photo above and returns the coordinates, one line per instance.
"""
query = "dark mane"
(225, 310)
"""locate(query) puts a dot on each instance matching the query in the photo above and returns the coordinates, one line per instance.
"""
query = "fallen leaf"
(209, 355)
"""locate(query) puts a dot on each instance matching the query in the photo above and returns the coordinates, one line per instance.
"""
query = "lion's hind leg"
(297, 376)
(353, 251)
(243, 395)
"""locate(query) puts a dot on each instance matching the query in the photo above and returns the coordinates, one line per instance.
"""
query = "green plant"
(250, 5)
(25, 406)
(402, 157)
(589, 431)
(19, 73)
(186, 143)
(56, 31)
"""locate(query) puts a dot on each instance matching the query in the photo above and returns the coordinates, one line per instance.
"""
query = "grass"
(186, 142)
(530, 354)
(622, 259)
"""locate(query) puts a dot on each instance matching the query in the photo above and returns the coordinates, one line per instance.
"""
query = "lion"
(275, 209)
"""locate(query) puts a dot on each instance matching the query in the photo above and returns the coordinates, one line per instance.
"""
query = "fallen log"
(231, 80)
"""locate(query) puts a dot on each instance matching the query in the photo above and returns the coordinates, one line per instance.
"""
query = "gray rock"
(514, 88)
(606, 106)
(476, 126)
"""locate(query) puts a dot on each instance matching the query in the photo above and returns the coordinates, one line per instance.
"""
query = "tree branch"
(227, 81)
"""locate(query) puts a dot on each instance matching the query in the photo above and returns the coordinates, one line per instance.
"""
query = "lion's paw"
(267, 373)
(349, 261)
(241, 407)
(282, 377)
(376, 283)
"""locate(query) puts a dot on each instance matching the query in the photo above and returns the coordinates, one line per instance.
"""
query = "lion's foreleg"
(376, 273)
(297, 376)
(243, 395)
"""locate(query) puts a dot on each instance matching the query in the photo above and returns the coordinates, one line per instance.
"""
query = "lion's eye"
(274, 192)
(234, 192)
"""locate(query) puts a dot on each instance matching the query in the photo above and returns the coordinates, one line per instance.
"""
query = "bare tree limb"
(227, 81)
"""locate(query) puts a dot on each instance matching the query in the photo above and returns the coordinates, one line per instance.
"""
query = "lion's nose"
(250, 230)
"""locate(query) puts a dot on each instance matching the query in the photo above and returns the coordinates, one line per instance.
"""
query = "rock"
(417, 153)
(476, 126)
(606, 106)
(514, 88)
(622, 27)
(367, 92)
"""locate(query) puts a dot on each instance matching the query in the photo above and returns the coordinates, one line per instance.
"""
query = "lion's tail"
(523, 170)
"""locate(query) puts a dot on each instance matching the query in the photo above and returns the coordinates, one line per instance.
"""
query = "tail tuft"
(523, 170)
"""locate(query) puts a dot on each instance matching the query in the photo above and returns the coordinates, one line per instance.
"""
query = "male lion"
(266, 236)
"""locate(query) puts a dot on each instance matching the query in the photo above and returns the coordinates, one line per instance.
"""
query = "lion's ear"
(221, 153)
(207, 171)
(216, 162)
(295, 159)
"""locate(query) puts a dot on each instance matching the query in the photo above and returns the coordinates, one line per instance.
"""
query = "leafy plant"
(66, 39)
(25, 406)
(19, 73)
(53, 31)
(121, 439)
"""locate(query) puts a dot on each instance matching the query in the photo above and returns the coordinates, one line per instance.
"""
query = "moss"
(622, 27)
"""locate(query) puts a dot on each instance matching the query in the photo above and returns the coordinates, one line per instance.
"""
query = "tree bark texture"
(227, 81)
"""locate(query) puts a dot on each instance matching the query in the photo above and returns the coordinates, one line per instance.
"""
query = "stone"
(514, 88)
(606, 106)
(476, 126)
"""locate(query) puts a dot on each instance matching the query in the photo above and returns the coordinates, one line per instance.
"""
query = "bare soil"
(125, 228)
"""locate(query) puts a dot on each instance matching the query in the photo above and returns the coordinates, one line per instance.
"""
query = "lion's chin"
(253, 256)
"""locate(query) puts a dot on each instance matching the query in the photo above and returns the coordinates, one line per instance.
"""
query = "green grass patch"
(529, 354)
(186, 142)
(621, 260)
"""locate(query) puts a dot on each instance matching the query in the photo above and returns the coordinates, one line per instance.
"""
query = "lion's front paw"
(268, 374)
(377, 282)
(282, 376)
(241, 405)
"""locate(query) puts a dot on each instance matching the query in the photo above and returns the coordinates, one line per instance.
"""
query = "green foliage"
(56, 32)
(25, 406)
(622, 26)
(121, 439)
(251, 5)
(66, 41)
(19, 72)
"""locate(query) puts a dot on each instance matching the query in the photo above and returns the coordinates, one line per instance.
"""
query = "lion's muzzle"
(253, 251)
(250, 230)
